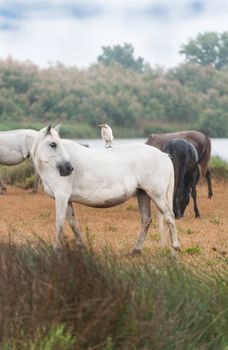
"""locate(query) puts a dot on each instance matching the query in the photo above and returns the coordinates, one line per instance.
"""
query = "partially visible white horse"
(15, 147)
(104, 178)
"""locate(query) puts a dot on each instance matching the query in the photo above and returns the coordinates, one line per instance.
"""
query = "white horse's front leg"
(61, 203)
(73, 222)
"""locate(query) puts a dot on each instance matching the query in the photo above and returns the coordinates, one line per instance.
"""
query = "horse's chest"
(48, 189)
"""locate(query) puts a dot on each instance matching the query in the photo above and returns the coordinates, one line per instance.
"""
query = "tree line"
(120, 90)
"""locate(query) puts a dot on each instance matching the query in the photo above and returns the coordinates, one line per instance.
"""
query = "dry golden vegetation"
(204, 241)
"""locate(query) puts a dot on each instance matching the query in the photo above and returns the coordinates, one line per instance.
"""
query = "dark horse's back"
(183, 150)
(201, 142)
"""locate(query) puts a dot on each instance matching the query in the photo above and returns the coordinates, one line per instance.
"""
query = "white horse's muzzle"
(65, 168)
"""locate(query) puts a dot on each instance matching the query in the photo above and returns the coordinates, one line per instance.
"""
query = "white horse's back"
(107, 177)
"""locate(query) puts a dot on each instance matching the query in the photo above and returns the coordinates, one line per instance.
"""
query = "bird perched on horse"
(106, 134)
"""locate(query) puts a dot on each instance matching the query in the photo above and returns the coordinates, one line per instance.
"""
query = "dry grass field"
(204, 241)
(102, 299)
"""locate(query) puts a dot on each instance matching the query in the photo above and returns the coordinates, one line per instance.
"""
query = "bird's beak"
(100, 125)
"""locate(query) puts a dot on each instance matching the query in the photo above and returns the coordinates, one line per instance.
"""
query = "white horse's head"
(48, 152)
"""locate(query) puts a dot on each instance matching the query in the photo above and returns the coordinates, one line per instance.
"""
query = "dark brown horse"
(201, 142)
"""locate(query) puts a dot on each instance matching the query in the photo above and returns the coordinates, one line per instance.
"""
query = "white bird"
(106, 134)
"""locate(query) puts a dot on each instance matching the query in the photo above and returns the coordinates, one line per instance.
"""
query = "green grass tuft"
(194, 250)
(76, 300)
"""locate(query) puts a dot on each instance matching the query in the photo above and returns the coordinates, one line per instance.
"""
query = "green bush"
(213, 122)
(134, 103)
(219, 168)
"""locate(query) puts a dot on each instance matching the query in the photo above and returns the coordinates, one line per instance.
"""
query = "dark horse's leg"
(208, 177)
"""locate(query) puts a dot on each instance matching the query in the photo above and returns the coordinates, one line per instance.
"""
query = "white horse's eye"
(53, 145)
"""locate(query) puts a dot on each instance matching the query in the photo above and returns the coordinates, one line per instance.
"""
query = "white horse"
(104, 178)
(15, 147)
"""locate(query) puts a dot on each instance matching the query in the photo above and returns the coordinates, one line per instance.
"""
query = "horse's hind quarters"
(65, 168)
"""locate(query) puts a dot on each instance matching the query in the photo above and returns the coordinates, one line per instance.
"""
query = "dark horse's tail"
(205, 157)
(205, 172)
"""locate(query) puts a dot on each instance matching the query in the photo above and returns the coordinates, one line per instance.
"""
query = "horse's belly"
(10, 157)
(108, 203)
(103, 198)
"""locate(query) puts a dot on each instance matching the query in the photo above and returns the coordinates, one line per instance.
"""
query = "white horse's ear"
(48, 129)
(58, 127)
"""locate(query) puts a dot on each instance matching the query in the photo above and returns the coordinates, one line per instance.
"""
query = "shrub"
(219, 168)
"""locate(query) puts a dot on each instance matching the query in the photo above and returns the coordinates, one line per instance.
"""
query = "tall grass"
(76, 300)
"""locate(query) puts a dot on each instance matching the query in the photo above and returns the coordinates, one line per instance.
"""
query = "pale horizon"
(73, 32)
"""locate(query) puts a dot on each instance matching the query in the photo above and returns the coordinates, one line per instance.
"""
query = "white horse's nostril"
(70, 168)
(65, 168)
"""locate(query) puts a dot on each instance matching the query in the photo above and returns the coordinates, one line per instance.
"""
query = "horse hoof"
(177, 248)
(58, 248)
(3, 189)
(32, 191)
(133, 252)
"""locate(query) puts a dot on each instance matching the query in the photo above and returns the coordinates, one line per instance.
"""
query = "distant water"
(219, 146)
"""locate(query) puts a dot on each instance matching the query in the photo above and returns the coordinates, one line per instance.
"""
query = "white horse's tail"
(163, 227)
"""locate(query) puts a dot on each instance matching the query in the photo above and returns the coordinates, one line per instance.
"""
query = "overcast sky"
(73, 31)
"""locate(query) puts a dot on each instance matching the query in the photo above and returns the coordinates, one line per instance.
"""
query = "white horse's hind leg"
(168, 217)
(61, 203)
(163, 230)
(73, 222)
(145, 213)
